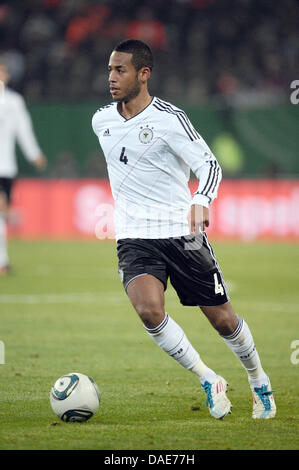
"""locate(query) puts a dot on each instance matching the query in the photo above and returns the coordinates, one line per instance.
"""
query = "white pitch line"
(119, 297)
(264, 305)
(80, 272)
(84, 297)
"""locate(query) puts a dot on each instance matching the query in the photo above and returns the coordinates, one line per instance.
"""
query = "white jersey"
(15, 126)
(149, 158)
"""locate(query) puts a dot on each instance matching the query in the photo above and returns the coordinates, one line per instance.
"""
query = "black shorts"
(6, 185)
(188, 262)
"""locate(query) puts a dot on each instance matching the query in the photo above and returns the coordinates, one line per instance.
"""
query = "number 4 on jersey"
(122, 157)
(218, 286)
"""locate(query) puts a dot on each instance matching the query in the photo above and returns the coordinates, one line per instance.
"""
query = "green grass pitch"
(64, 310)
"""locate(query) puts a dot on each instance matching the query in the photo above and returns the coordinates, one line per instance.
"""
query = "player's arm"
(40, 162)
(209, 174)
(26, 137)
(191, 147)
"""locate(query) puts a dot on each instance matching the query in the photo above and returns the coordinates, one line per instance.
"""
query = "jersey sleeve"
(99, 119)
(188, 145)
(96, 123)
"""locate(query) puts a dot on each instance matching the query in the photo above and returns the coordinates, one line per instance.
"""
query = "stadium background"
(228, 63)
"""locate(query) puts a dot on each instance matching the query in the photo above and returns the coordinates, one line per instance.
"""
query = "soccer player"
(150, 147)
(15, 126)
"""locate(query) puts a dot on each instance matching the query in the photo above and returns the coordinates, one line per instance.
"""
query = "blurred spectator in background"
(89, 21)
(148, 28)
(15, 126)
(56, 47)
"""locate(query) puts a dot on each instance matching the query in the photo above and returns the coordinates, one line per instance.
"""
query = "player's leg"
(196, 276)
(237, 335)
(144, 276)
(4, 261)
(235, 332)
(146, 294)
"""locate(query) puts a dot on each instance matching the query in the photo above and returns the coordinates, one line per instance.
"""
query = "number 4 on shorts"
(218, 286)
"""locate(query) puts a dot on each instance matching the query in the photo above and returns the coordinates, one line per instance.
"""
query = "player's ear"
(144, 73)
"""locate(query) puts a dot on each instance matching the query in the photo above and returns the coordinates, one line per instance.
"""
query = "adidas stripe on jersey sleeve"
(188, 145)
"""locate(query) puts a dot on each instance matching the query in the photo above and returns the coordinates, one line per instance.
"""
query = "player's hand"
(198, 218)
(41, 162)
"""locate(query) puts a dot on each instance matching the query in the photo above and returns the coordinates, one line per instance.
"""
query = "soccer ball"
(75, 397)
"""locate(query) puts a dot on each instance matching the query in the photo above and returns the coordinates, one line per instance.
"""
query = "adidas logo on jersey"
(106, 133)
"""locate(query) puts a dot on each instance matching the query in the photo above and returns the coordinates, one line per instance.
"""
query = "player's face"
(123, 78)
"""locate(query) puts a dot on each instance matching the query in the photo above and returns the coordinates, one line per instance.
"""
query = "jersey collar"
(138, 114)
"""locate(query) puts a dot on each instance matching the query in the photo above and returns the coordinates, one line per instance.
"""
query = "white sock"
(203, 372)
(242, 344)
(172, 339)
(3, 242)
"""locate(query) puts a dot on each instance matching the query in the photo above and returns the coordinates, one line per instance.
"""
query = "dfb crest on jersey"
(146, 134)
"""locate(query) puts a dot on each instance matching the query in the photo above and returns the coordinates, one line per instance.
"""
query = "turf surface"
(64, 310)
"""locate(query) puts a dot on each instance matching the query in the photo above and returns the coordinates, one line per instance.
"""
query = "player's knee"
(150, 313)
(222, 318)
(225, 323)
